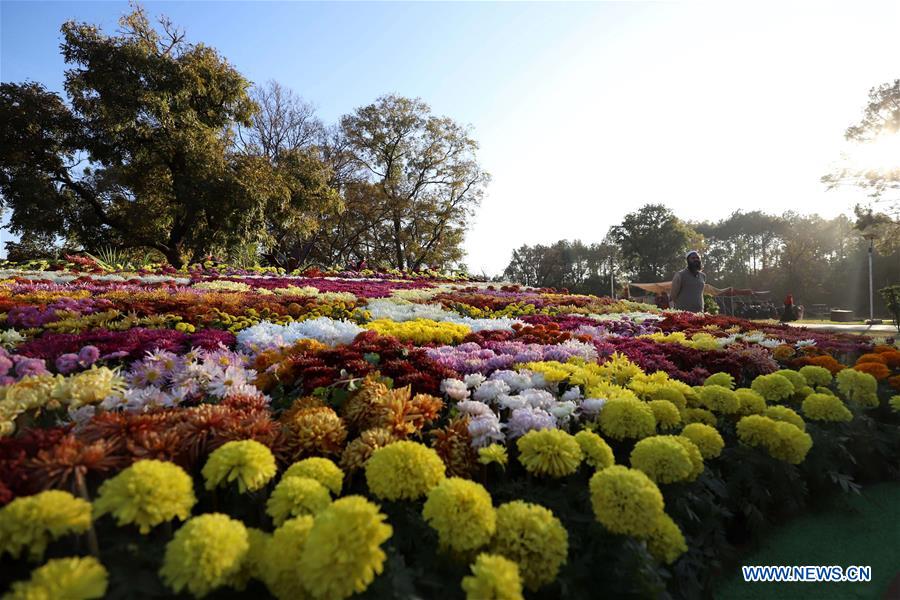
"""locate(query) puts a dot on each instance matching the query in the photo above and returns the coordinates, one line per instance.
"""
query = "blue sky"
(584, 111)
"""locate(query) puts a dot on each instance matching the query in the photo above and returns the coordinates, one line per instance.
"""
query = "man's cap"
(688, 255)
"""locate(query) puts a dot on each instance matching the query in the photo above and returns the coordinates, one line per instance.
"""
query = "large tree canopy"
(427, 177)
(652, 242)
(874, 165)
(144, 155)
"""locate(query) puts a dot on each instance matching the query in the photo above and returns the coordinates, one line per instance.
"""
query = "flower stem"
(93, 545)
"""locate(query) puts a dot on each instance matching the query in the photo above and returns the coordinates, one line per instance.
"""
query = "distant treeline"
(819, 261)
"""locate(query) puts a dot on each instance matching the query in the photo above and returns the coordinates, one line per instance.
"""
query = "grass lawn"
(861, 530)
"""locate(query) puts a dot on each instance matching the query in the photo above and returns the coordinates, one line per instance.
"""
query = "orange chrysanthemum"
(60, 466)
(359, 450)
(824, 360)
(358, 408)
(316, 431)
(424, 409)
(783, 352)
(877, 370)
(892, 359)
(453, 444)
(873, 358)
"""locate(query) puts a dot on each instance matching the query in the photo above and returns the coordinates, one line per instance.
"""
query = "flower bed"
(330, 434)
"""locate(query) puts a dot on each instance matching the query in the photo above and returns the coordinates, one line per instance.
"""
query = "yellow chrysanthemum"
(550, 452)
(780, 439)
(858, 387)
(247, 461)
(421, 331)
(665, 413)
(282, 552)
(494, 453)
(619, 369)
(253, 565)
(205, 553)
(295, 496)
(30, 522)
(895, 403)
(403, 471)
(752, 403)
(596, 451)
(816, 376)
(662, 458)
(623, 418)
(343, 554)
(707, 439)
(694, 455)
(797, 380)
(788, 415)
(723, 379)
(147, 493)
(493, 578)
(773, 387)
(626, 501)
(666, 542)
(719, 399)
(76, 578)
(698, 415)
(822, 407)
(88, 387)
(321, 469)
(534, 538)
(462, 513)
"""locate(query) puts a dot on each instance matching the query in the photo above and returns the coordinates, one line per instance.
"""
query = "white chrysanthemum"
(323, 329)
(563, 411)
(455, 389)
(590, 407)
(515, 381)
(502, 324)
(805, 343)
(771, 343)
(489, 390)
(473, 408)
(528, 419)
(538, 398)
(512, 402)
(485, 430)
(572, 395)
(474, 380)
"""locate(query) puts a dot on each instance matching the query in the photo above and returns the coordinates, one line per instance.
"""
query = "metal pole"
(871, 301)
(612, 281)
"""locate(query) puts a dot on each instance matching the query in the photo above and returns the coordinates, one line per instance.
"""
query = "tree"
(580, 268)
(427, 175)
(283, 123)
(143, 155)
(878, 171)
(652, 242)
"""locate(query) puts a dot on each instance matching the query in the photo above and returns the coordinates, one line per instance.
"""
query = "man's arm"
(676, 289)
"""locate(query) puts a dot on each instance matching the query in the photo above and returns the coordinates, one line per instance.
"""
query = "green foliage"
(891, 296)
(652, 242)
(575, 266)
(420, 178)
(709, 305)
(143, 155)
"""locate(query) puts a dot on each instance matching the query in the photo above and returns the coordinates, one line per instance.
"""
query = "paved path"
(879, 330)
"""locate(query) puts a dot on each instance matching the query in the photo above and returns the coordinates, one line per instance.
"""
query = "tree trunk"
(398, 247)
(173, 255)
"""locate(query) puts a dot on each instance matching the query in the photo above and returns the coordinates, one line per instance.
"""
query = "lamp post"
(612, 280)
(872, 320)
